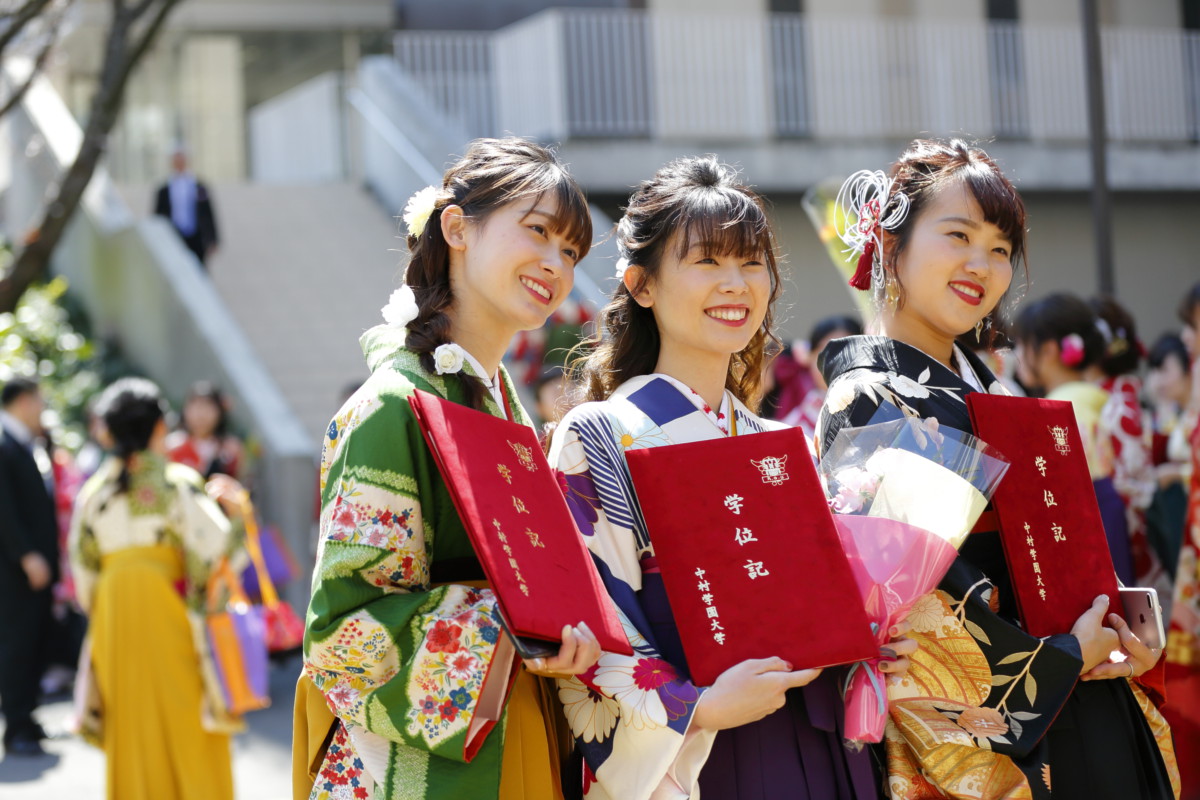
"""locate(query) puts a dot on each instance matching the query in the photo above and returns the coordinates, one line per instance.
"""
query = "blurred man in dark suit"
(28, 563)
(186, 203)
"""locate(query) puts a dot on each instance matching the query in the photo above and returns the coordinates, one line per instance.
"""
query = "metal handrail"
(374, 116)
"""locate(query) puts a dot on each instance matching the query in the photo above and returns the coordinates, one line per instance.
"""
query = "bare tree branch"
(38, 64)
(142, 8)
(122, 52)
(149, 33)
(19, 19)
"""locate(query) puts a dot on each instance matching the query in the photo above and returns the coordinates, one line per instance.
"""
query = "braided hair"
(491, 174)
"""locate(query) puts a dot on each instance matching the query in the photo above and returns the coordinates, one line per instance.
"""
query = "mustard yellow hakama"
(147, 673)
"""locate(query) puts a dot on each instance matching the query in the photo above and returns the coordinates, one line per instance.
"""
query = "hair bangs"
(723, 222)
(571, 216)
(999, 202)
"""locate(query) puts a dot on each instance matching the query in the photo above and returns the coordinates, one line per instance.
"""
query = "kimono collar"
(383, 346)
(720, 418)
(671, 408)
(492, 383)
(882, 354)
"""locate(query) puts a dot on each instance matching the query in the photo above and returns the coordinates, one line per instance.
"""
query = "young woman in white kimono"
(681, 360)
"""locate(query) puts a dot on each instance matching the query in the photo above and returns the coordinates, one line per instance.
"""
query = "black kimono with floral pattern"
(988, 711)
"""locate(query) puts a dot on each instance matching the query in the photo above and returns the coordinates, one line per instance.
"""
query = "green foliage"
(41, 341)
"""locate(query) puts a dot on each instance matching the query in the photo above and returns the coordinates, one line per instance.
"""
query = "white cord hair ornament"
(864, 197)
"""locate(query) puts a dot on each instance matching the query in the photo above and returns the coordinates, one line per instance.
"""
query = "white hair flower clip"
(622, 265)
(447, 358)
(864, 197)
(419, 208)
(401, 307)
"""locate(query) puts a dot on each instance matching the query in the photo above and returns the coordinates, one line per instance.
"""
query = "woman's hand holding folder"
(579, 652)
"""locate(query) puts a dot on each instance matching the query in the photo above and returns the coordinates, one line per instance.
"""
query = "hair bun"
(710, 172)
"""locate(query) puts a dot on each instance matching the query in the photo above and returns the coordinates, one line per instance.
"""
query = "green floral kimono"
(404, 653)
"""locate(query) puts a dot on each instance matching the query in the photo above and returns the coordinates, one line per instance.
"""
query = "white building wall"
(213, 105)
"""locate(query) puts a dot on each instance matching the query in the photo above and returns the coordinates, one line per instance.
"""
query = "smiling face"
(954, 270)
(707, 306)
(512, 269)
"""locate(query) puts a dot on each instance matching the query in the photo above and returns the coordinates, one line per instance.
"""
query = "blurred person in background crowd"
(1058, 340)
(29, 563)
(825, 331)
(1125, 425)
(69, 625)
(95, 449)
(145, 540)
(203, 441)
(186, 203)
(551, 394)
(1168, 393)
(1183, 638)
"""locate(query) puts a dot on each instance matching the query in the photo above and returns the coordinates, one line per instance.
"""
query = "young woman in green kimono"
(402, 642)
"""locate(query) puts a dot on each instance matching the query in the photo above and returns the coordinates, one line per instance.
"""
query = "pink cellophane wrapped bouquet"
(905, 495)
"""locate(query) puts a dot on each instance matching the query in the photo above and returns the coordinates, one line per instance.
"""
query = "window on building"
(1007, 69)
(1002, 9)
(1191, 66)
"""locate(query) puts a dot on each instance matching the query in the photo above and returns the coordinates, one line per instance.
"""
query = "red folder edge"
(609, 641)
(1108, 585)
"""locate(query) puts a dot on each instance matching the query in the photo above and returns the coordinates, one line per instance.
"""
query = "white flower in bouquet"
(884, 461)
(855, 487)
(418, 210)
(401, 307)
(447, 358)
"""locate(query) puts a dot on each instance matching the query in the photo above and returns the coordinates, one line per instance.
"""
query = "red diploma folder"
(519, 523)
(749, 555)
(1050, 522)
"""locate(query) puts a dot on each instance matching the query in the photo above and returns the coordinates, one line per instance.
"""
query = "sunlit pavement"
(75, 771)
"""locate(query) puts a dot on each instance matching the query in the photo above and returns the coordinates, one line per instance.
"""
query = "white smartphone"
(1144, 615)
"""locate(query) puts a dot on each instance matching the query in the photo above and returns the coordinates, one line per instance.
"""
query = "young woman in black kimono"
(986, 711)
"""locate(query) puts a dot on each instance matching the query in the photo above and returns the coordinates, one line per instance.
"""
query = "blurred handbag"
(279, 560)
(284, 629)
(237, 640)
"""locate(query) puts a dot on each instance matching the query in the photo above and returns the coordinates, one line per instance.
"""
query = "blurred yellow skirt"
(147, 674)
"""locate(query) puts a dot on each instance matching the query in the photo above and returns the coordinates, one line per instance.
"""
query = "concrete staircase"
(304, 270)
